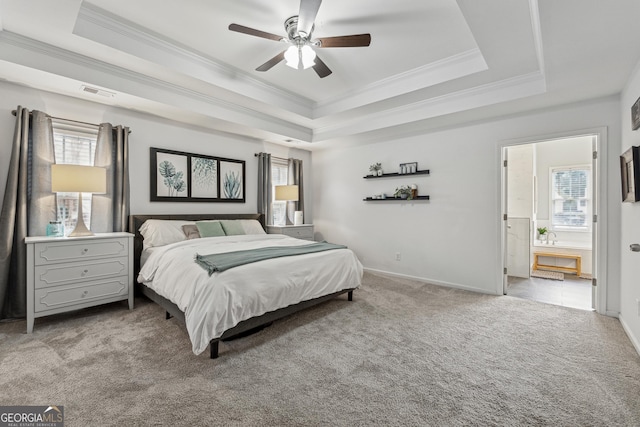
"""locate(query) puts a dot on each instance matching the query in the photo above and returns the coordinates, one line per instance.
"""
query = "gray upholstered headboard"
(136, 221)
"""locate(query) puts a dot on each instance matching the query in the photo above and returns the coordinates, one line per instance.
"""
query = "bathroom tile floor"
(570, 292)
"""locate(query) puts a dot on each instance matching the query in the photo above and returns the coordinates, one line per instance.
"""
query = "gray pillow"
(210, 228)
(191, 231)
(232, 227)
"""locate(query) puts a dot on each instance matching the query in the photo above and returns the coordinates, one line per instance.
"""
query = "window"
(571, 198)
(279, 176)
(76, 145)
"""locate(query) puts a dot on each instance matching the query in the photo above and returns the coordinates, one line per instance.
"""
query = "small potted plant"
(541, 232)
(403, 192)
(376, 169)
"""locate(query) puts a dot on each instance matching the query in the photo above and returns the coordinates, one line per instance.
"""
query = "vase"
(379, 172)
(404, 196)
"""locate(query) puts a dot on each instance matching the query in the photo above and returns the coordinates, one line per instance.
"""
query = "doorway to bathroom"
(550, 205)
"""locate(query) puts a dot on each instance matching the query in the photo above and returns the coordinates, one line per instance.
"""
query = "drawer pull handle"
(84, 273)
(85, 293)
(85, 250)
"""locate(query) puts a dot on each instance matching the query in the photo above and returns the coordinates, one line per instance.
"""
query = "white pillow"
(160, 232)
(252, 226)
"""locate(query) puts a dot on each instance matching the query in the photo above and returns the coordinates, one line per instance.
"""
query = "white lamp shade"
(80, 179)
(287, 192)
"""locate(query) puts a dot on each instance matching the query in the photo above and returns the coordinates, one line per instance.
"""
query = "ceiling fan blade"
(306, 16)
(321, 68)
(270, 63)
(355, 40)
(253, 32)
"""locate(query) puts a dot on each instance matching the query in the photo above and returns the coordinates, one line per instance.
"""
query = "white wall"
(454, 239)
(630, 223)
(148, 131)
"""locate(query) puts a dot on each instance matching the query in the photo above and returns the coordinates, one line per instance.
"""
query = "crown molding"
(479, 96)
(42, 56)
(444, 70)
(103, 27)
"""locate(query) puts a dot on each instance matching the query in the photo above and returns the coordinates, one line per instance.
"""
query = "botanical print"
(204, 177)
(231, 175)
(171, 175)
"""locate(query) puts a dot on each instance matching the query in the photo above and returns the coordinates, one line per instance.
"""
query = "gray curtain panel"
(110, 211)
(27, 207)
(294, 177)
(265, 188)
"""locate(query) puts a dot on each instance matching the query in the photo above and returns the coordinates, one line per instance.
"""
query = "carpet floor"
(402, 353)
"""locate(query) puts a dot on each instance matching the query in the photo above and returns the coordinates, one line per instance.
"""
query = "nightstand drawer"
(59, 274)
(60, 251)
(299, 232)
(79, 294)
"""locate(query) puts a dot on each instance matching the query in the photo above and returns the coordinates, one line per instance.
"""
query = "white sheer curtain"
(28, 205)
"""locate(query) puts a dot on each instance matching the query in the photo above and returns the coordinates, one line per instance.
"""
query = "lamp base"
(81, 229)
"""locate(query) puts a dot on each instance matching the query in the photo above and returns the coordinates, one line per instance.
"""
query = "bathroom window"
(571, 198)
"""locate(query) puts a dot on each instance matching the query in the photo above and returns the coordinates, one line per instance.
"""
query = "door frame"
(599, 207)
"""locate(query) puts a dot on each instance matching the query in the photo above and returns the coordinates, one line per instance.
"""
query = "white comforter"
(213, 304)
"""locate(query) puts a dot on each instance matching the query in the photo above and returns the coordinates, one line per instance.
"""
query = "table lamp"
(288, 193)
(78, 179)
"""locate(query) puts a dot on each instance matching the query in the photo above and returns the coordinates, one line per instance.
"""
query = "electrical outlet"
(397, 256)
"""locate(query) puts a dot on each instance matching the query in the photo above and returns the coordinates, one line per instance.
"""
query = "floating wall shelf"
(395, 199)
(395, 174)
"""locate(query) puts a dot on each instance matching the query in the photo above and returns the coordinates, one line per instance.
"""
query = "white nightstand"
(69, 273)
(304, 231)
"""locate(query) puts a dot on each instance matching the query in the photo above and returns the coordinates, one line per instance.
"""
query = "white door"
(505, 229)
(519, 247)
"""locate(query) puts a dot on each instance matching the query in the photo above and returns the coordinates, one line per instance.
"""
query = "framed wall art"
(630, 174)
(635, 115)
(177, 176)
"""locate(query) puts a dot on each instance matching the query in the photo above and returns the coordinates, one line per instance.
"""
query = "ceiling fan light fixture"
(308, 56)
(292, 57)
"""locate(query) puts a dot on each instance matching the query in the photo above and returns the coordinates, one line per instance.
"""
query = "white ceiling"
(430, 64)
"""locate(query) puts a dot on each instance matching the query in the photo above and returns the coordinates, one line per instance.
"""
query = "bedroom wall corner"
(454, 237)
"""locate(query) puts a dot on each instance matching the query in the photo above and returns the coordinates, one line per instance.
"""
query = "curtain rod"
(14, 112)
(274, 157)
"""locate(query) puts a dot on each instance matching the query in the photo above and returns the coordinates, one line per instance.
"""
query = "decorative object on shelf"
(297, 218)
(78, 179)
(414, 191)
(376, 169)
(185, 177)
(403, 192)
(407, 168)
(541, 232)
(630, 174)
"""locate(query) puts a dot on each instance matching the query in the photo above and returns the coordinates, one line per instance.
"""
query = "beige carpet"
(403, 353)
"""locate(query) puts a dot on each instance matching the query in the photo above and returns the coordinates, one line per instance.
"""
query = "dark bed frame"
(172, 310)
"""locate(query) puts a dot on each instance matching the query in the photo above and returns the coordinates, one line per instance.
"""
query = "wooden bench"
(576, 269)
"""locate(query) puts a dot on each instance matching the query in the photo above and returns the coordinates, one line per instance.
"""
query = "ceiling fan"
(300, 54)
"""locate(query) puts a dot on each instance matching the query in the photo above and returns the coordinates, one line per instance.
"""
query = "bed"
(222, 305)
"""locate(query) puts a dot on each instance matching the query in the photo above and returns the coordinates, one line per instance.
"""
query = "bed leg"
(213, 349)
(167, 315)
(350, 295)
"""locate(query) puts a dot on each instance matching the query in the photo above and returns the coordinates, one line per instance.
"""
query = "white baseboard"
(431, 281)
(627, 330)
